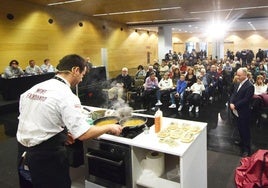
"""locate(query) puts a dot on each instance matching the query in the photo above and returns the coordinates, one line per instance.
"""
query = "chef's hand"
(70, 139)
(115, 129)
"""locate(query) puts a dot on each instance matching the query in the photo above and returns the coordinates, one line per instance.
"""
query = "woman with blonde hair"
(260, 87)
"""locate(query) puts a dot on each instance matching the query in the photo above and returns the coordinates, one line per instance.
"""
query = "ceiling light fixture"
(150, 10)
(138, 11)
(116, 13)
(101, 14)
(174, 19)
(160, 20)
(197, 18)
(63, 2)
(231, 9)
(156, 21)
(139, 22)
(252, 26)
(170, 8)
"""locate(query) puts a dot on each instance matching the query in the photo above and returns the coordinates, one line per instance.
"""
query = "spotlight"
(80, 24)
(10, 16)
(50, 20)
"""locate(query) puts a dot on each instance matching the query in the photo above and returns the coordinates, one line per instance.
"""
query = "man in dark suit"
(239, 104)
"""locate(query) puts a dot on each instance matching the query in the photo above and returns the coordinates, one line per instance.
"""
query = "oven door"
(106, 168)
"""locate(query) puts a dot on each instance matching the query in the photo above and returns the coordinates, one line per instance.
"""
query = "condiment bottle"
(158, 120)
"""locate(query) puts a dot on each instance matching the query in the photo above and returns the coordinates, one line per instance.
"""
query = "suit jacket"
(242, 98)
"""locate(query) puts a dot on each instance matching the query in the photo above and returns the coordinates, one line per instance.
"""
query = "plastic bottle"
(158, 120)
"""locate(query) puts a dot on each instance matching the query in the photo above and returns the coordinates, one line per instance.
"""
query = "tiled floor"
(220, 135)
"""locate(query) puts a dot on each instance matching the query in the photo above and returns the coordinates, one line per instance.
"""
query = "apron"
(47, 162)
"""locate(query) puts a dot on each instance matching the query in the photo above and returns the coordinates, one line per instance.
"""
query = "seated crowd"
(15, 71)
(191, 79)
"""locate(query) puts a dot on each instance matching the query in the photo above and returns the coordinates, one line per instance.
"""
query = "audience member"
(163, 68)
(175, 75)
(121, 84)
(89, 63)
(195, 97)
(212, 79)
(141, 73)
(165, 86)
(47, 67)
(190, 78)
(33, 69)
(179, 93)
(13, 70)
(150, 88)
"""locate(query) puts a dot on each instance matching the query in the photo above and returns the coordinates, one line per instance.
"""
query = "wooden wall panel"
(236, 41)
(30, 36)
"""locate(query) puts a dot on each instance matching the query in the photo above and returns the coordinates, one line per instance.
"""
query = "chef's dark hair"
(70, 61)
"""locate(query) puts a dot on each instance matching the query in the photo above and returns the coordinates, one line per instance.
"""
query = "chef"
(51, 117)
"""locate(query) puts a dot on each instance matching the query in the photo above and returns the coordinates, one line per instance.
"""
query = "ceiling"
(181, 15)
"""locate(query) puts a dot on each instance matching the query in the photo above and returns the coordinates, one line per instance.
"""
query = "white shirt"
(241, 83)
(260, 89)
(33, 70)
(165, 84)
(47, 68)
(45, 109)
(198, 88)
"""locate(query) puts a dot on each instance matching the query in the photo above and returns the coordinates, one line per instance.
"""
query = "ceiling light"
(174, 19)
(63, 2)
(197, 18)
(139, 22)
(217, 29)
(170, 8)
(116, 13)
(224, 10)
(252, 26)
(150, 10)
(100, 15)
(136, 11)
(160, 20)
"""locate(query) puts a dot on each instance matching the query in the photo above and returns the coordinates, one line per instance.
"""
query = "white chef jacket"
(45, 109)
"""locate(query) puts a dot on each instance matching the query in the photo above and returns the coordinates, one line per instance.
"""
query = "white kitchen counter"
(192, 156)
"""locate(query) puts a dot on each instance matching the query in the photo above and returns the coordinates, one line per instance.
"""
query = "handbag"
(253, 171)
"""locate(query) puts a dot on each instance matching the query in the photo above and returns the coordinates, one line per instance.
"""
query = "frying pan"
(128, 128)
(95, 122)
(139, 126)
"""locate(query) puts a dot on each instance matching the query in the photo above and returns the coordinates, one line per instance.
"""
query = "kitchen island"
(189, 159)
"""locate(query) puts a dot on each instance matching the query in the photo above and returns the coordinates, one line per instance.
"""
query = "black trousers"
(243, 125)
(194, 99)
(48, 164)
